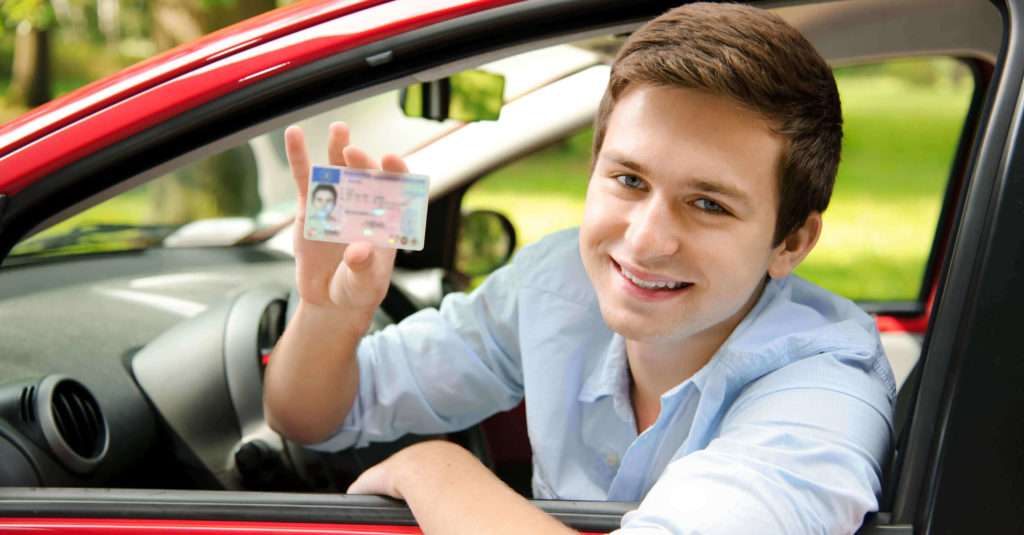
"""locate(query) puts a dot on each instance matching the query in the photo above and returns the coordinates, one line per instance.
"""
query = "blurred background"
(902, 119)
(50, 47)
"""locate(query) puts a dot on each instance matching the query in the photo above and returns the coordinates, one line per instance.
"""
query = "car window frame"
(944, 356)
(986, 172)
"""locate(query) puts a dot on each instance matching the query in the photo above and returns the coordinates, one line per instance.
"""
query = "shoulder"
(800, 335)
(558, 247)
(798, 318)
(552, 265)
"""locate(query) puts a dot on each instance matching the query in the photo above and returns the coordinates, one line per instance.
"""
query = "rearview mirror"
(486, 241)
(466, 96)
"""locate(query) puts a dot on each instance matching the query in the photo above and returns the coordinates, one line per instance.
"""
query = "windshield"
(246, 193)
(229, 197)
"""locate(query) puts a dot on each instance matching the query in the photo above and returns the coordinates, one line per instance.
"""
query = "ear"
(788, 254)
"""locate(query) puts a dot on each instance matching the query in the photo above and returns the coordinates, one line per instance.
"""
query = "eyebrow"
(624, 161)
(719, 188)
(700, 184)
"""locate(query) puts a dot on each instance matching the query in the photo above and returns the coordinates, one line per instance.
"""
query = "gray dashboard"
(169, 343)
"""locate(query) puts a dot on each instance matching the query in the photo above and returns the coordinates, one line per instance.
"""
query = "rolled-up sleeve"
(793, 459)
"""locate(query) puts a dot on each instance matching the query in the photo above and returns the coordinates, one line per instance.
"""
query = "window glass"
(224, 198)
(541, 193)
(230, 195)
(902, 122)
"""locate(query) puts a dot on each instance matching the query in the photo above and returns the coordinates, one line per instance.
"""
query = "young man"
(323, 201)
(665, 353)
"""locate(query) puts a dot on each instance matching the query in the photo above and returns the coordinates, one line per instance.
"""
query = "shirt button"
(611, 459)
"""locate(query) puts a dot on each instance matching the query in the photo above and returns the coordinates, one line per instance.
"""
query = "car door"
(964, 433)
(963, 449)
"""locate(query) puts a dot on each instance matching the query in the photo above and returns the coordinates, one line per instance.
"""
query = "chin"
(637, 328)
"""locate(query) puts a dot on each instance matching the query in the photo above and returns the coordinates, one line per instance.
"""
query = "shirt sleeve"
(790, 457)
(439, 370)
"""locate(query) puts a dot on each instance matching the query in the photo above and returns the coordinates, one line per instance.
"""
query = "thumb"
(376, 480)
(359, 256)
(362, 279)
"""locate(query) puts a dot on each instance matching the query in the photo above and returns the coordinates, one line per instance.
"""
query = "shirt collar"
(611, 374)
(610, 377)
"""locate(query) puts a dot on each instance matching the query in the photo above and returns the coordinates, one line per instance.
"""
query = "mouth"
(664, 285)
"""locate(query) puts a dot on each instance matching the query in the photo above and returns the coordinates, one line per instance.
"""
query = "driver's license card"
(347, 205)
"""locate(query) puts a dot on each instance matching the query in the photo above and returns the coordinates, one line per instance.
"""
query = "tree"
(179, 21)
(30, 76)
(224, 184)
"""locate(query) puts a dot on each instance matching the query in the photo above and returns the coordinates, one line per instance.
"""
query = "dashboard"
(144, 369)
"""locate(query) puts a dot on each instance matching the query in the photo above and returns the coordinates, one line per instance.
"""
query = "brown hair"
(756, 59)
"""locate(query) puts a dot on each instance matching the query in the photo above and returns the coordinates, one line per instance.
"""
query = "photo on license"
(385, 209)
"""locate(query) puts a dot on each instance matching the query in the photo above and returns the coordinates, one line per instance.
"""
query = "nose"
(653, 231)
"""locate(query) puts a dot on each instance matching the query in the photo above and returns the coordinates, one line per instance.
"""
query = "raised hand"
(313, 374)
(352, 277)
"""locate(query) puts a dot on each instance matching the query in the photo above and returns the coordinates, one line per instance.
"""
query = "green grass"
(900, 138)
(897, 154)
(541, 193)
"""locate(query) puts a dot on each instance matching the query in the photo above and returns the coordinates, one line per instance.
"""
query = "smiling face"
(680, 212)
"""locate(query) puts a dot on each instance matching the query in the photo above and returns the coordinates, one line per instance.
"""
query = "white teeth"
(650, 285)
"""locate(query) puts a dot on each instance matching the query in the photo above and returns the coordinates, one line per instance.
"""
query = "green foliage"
(211, 4)
(38, 13)
(222, 185)
(6, 52)
(80, 63)
(483, 244)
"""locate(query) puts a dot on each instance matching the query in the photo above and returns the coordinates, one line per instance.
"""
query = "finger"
(366, 484)
(394, 163)
(364, 261)
(298, 159)
(375, 480)
(337, 140)
(365, 281)
(358, 255)
(359, 159)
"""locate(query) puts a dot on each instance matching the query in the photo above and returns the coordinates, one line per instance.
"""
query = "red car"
(138, 299)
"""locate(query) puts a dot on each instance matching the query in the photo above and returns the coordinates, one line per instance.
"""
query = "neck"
(657, 367)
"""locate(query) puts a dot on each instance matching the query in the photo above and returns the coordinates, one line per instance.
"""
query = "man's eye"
(630, 181)
(710, 206)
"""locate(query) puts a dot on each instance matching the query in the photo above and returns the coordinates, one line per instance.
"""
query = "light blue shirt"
(785, 430)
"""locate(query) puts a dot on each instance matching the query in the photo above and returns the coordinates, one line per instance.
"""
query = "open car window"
(902, 123)
(247, 190)
(903, 120)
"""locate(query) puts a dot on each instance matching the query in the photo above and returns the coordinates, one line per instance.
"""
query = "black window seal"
(220, 505)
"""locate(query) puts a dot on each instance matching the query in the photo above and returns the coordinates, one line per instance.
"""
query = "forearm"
(450, 492)
(312, 377)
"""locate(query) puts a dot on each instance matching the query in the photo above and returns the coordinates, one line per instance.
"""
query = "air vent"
(71, 422)
(78, 419)
(26, 404)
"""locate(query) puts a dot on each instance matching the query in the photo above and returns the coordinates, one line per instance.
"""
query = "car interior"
(138, 311)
